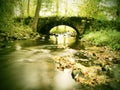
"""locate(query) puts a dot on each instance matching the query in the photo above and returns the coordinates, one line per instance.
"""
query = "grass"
(106, 37)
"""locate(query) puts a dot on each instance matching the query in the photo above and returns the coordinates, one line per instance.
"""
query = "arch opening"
(63, 29)
(63, 35)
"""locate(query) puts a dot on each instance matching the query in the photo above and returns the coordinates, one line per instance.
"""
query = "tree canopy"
(99, 9)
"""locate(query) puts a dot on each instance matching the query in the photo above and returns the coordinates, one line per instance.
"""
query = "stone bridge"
(79, 24)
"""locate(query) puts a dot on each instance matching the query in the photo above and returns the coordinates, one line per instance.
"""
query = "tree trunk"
(57, 8)
(118, 9)
(28, 8)
(21, 9)
(36, 17)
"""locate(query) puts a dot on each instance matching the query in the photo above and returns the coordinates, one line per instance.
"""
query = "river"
(48, 65)
(28, 65)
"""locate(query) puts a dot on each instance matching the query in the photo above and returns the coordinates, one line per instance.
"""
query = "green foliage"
(22, 9)
(18, 32)
(99, 9)
(89, 8)
(6, 14)
(106, 37)
(103, 24)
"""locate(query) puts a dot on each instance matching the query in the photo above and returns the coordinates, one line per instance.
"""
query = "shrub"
(106, 37)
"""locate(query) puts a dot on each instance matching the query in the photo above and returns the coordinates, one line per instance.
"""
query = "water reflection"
(63, 36)
(62, 40)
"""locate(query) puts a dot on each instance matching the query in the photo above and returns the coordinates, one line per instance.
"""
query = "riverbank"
(18, 32)
(104, 37)
(97, 65)
(93, 67)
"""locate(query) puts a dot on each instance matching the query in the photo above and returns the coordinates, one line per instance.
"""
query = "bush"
(106, 37)
(17, 32)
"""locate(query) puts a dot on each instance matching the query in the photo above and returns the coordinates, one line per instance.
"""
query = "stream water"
(31, 65)
(28, 65)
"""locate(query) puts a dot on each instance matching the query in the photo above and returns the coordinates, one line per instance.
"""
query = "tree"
(28, 7)
(57, 8)
(118, 9)
(6, 14)
(89, 8)
(36, 17)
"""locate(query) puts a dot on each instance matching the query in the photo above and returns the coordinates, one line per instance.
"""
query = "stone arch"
(45, 29)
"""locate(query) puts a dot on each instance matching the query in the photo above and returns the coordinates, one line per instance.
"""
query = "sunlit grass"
(106, 37)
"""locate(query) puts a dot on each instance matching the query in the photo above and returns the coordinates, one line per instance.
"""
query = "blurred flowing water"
(28, 65)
